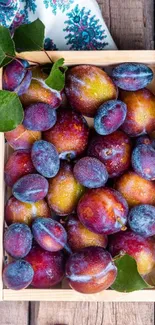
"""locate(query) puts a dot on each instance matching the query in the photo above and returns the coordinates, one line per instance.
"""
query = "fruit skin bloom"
(103, 211)
(90, 270)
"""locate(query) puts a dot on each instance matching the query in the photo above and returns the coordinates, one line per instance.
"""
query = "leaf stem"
(48, 55)
(18, 59)
(12, 57)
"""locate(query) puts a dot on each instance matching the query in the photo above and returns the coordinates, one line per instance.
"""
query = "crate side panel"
(71, 295)
(102, 58)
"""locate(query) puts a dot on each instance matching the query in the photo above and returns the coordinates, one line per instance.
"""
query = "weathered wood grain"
(131, 22)
(133, 313)
(105, 8)
(14, 313)
(72, 314)
(92, 313)
(149, 24)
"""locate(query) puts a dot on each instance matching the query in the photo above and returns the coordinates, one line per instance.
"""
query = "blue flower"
(58, 4)
(49, 45)
(84, 31)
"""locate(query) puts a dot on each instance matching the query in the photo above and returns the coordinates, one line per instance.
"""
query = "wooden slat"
(14, 313)
(85, 313)
(130, 22)
(97, 57)
(71, 295)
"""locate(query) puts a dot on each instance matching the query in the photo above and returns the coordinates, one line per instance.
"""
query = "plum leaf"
(7, 47)
(30, 37)
(56, 78)
(128, 279)
(11, 111)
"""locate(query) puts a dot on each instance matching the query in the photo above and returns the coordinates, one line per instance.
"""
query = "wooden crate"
(63, 293)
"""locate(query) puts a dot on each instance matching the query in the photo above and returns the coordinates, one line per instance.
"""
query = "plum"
(21, 138)
(140, 248)
(64, 191)
(132, 76)
(144, 139)
(49, 267)
(18, 275)
(140, 117)
(49, 234)
(38, 91)
(16, 77)
(141, 220)
(69, 135)
(90, 172)
(143, 161)
(45, 158)
(18, 165)
(30, 188)
(18, 240)
(90, 270)
(87, 88)
(135, 189)
(17, 211)
(103, 211)
(80, 237)
(39, 117)
(110, 116)
(114, 150)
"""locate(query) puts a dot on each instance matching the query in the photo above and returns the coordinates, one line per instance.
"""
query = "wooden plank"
(131, 22)
(14, 313)
(92, 313)
(149, 24)
(133, 313)
(71, 313)
(105, 8)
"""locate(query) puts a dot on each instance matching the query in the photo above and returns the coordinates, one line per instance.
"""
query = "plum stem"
(123, 228)
(122, 253)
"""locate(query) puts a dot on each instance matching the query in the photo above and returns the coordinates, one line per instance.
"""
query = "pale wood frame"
(101, 58)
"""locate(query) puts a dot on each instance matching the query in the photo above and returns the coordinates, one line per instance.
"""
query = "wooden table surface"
(132, 26)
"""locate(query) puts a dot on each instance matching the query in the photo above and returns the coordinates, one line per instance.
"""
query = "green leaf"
(30, 37)
(128, 279)
(2, 56)
(11, 111)
(6, 46)
(56, 79)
